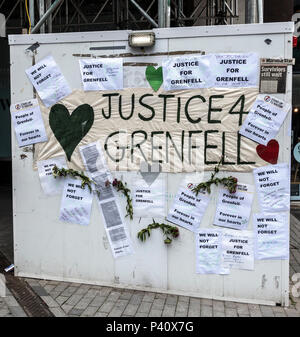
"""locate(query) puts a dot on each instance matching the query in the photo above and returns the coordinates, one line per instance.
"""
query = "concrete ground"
(75, 299)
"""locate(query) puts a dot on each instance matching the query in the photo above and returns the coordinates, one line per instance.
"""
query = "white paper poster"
(209, 251)
(188, 208)
(116, 229)
(51, 185)
(28, 122)
(148, 200)
(102, 74)
(233, 209)
(187, 72)
(271, 235)
(236, 70)
(238, 249)
(264, 119)
(272, 186)
(76, 203)
(48, 81)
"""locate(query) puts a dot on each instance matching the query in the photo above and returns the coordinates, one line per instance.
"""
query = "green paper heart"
(70, 129)
(154, 77)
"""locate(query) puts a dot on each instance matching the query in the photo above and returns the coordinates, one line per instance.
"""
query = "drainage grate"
(31, 303)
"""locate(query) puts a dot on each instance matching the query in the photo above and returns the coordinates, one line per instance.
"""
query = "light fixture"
(146, 39)
(295, 110)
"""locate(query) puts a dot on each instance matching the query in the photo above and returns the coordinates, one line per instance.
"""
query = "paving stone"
(17, 311)
(136, 298)
(131, 309)
(58, 312)
(206, 301)
(113, 296)
(115, 313)
(242, 309)
(92, 293)
(89, 312)
(100, 314)
(231, 312)
(206, 311)
(158, 304)
(50, 301)
(155, 313)
(3, 312)
(183, 299)
(98, 301)
(292, 313)
(67, 308)
(69, 291)
(121, 304)
(254, 310)
(107, 306)
(49, 287)
(141, 314)
(126, 295)
(267, 311)
(61, 287)
(82, 290)
(218, 306)
(149, 297)
(161, 296)
(76, 312)
(181, 308)
(11, 301)
(194, 307)
(169, 310)
(54, 294)
(39, 290)
(83, 303)
(144, 307)
(74, 299)
(218, 314)
(172, 299)
(105, 291)
(61, 299)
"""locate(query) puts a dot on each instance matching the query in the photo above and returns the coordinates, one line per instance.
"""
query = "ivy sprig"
(62, 172)
(168, 230)
(122, 187)
(228, 182)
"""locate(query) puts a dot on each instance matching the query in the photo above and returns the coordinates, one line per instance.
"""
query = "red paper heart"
(270, 152)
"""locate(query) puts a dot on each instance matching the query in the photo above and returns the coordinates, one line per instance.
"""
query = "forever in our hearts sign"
(70, 129)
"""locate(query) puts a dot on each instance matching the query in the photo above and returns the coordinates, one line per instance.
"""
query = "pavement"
(65, 299)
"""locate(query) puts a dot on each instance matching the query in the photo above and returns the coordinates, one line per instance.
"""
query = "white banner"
(265, 119)
(101, 74)
(238, 249)
(28, 122)
(272, 185)
(233, 209)
(48, 81)
(187, 72)
(271, 235)
(188, 208)
(76, 203)
(236, 70)
(51, 185)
